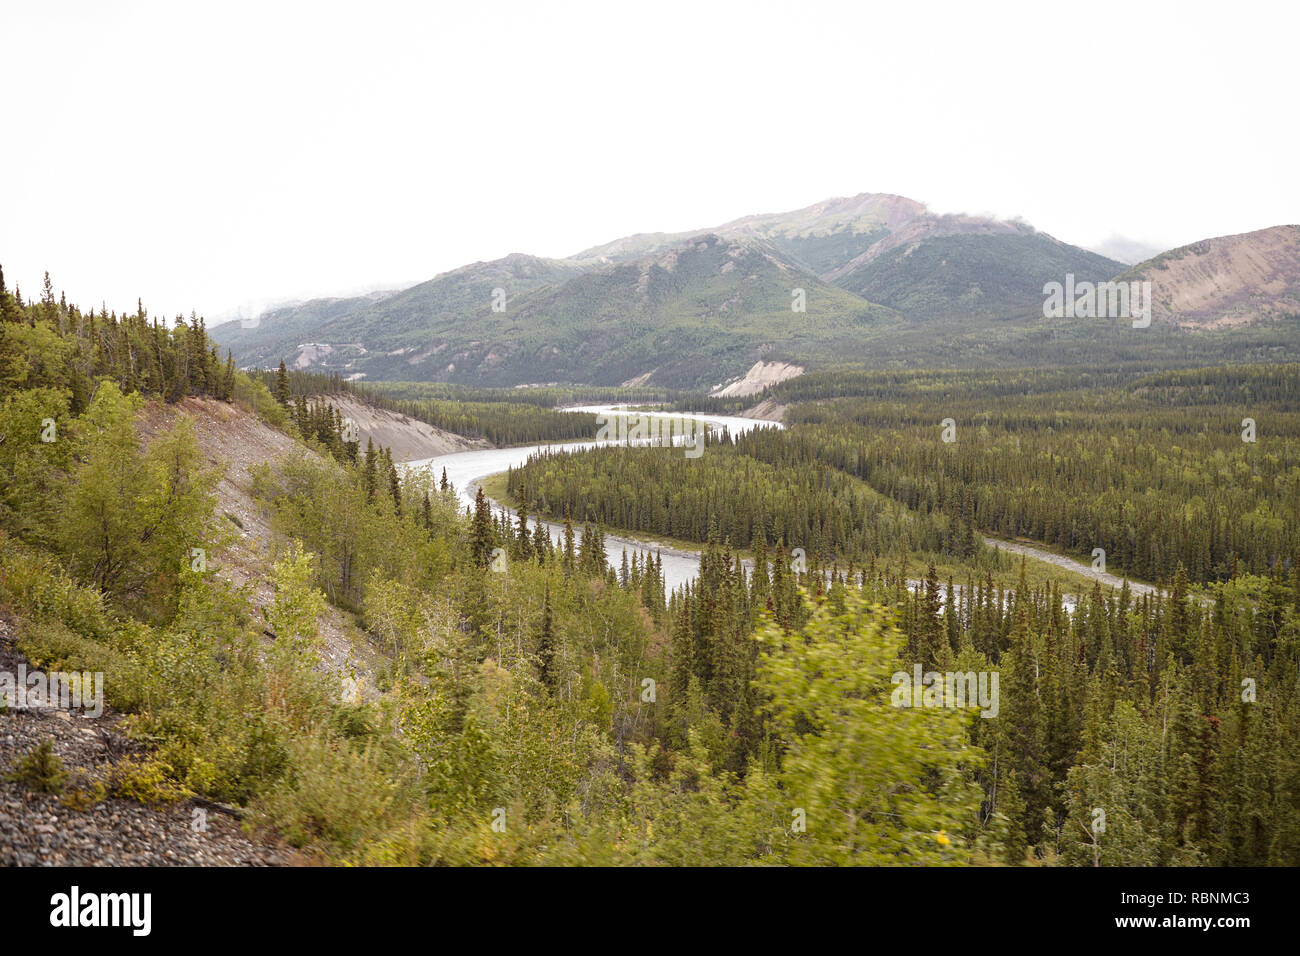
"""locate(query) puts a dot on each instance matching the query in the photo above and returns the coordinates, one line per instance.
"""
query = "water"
(467, 468)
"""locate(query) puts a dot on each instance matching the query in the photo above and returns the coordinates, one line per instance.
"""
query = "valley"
(346, 575)
(587, 440)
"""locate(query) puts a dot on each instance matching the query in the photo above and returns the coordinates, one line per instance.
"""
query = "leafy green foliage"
(879, 784)
(529, 704)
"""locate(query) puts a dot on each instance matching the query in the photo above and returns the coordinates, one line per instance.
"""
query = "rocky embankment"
(81, 827)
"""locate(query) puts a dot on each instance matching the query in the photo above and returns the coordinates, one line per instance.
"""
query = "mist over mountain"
(1126, 250)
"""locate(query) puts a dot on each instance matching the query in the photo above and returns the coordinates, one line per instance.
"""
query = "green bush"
(145, 780)
(41, 769)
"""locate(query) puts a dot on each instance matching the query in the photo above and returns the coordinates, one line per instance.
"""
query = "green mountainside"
(886, 283)
(974, 275)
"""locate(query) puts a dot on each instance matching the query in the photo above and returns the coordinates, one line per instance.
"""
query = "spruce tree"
(546, 650)
(282, 392)
(482, 533)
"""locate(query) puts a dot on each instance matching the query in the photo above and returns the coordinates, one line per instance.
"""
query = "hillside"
(236, 440)
(980, 269)
(893, 251)
(386, 338)
(39, 829)
(886, 282)
(407, 438)
(692, 315)
(1226, 282)
(820, 237)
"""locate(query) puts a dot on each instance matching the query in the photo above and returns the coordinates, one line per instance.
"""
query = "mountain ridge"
(1225, 281)
(876, 274)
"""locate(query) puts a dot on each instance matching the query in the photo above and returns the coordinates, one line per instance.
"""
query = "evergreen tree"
(482, 533)
(282, 393)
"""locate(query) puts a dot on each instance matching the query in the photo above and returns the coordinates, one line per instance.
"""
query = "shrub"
(145, 780)
(41, 770)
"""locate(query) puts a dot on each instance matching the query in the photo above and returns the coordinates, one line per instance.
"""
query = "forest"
(499, 416)
(530, 705)
(1195, 468)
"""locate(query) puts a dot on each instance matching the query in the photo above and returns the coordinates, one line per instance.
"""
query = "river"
(466, 469)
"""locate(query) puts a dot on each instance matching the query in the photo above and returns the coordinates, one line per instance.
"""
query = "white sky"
(204, 159)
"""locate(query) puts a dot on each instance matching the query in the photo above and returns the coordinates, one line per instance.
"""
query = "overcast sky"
(206, 159)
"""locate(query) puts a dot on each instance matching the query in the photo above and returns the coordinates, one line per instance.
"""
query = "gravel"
(37, 829)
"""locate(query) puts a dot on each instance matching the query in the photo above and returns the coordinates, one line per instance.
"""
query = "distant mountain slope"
(818, 237)
(983, 271)
(694, 314)
(887, 283)
(1228, 281)
(363, 333)
(826, 235)
(893, 251)
(282, 328)
(689, 316)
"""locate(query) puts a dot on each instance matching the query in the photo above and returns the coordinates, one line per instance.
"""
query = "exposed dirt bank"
(408, 438)
(767, 410)
(760, 376)
(237, 440)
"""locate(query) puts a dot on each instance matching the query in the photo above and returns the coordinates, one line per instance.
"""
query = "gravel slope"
(37, 829)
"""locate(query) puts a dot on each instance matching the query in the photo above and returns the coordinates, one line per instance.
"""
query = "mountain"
(689, 315)
(364, 336)
(693, 313)
(954, 266)
(1226, 282)
(893, 251)
(885, 283)
(819, 237)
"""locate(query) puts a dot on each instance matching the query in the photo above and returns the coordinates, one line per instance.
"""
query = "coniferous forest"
(834, 441)
(510, 697)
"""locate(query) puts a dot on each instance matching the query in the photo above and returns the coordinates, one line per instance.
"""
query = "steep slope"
(379, 337)
(1226, 282)
(236, 439)
(407, 438)
(887, 283)
(762, 375)
(982, 269)
(690, 316)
